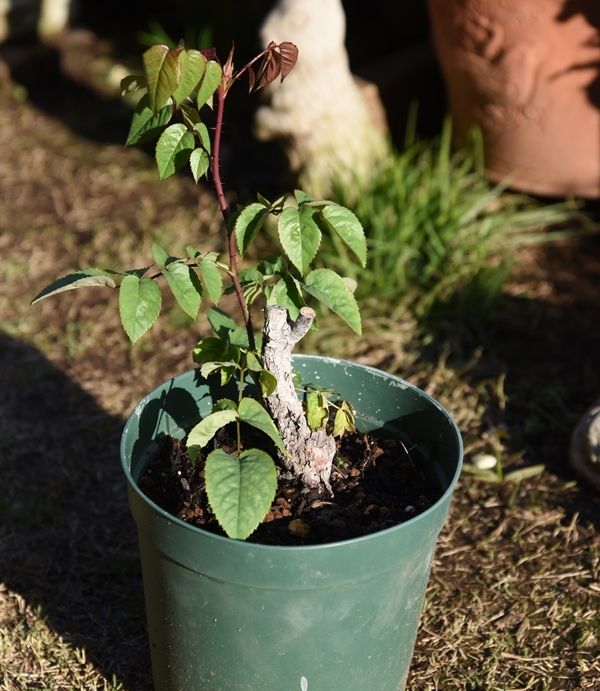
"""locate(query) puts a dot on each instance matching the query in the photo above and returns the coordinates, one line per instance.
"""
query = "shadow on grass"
(544, 342)
(67, 542)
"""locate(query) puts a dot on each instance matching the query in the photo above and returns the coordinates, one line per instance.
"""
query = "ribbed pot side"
(225, 615)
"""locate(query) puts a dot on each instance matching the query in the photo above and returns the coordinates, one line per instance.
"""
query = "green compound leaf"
(160, 255)
(212, 279)
(343, 222)
(210, 82)
(163, 71)
(173, 149)
(240, 489)
(267, 381)
(330, 289)
(316, 410)
(212, 349)
(192, 65)
(252, 412)
(286, 293)
(299, 235)
(185, 286)
(206, 429)
(202, 131)
(199, 163)
(344, 420)
(248, 222)
(146, 124)
(80, 279)
(139, 305)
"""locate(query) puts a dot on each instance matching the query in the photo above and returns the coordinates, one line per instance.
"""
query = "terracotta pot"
(528, 73)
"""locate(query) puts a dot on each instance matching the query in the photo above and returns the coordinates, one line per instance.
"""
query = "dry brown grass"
(513, 599)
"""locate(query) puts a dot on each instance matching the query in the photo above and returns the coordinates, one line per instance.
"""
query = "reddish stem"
(229, 234)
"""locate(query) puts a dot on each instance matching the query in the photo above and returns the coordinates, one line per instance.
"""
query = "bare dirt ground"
(514, 594)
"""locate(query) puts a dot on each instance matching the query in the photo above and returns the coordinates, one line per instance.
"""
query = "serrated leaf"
(160, 256)
(185, 286)
(344, 420)
(145, 123)
(162, 68)
(248, 222)
(209, 368)
(287, 294)
(139, 305)
(212, 349)
(299, 235)
(347, 226)
(221, 322)
(330, 289)
(199, 163)
(206, 429)
(80, 279)
(204, 135)
(239, 337)
(173, 149)
(267, 381)
(212, 279)
(316, 410)
(253, 413)
(225, 404)
(302, 197)
(210, 82)
(192, 65)
(190, 115)
(240, 489)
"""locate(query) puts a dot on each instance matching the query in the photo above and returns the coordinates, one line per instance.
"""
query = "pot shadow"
(68, 544)
(545, 350)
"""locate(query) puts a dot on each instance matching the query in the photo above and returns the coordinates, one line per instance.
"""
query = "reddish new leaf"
(289, 57)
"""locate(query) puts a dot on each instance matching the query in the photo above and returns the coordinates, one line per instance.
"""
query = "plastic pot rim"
(266, 549)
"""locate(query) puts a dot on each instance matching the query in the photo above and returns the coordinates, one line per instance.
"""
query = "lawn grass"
(513, 598)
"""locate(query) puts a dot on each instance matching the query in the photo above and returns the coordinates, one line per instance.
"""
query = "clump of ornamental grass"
(178, 89)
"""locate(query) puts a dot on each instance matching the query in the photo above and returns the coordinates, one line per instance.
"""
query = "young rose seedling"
(177, 87)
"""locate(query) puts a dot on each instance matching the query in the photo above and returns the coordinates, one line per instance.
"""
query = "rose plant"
(178, 88)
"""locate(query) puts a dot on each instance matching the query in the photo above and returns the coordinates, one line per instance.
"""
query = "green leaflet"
(212, 279)
(139, 305)
(248, 222)
(185, 286)
(145, 123)
(163, 71)
(173, 149)
(199, 163)
(252, 412)
(299, 235)
(204, 135)
(286, 293)
(206, 429)
(80, 279)
(316, 410)
(344, 420)
(210, 82)
(240, 489)
(192, 65)
(343, 222)
(331, 290)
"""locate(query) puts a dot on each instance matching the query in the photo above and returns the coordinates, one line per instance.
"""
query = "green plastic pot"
(225, 615)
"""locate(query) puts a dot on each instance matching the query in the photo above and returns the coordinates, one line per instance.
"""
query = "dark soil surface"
(376, 484)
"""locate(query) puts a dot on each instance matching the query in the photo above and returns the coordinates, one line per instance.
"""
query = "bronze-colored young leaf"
(163, 72)
(289, 57)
